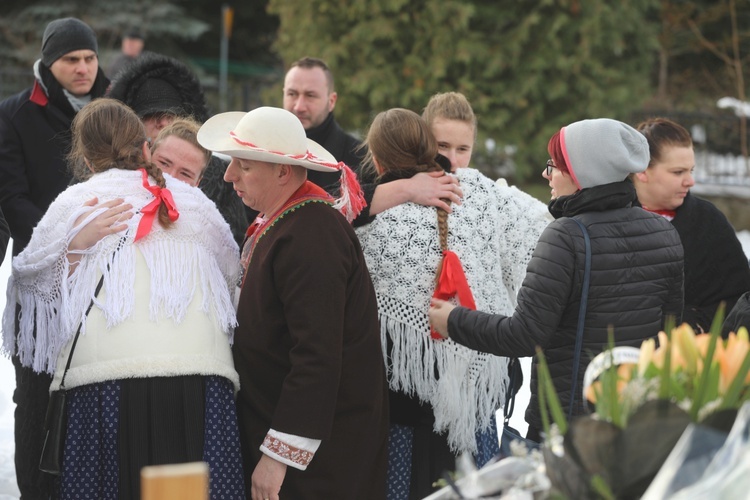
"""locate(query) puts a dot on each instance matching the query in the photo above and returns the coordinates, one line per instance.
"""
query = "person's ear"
(332, 97)
(378, 168)
(641, 176)
(283, 172)
(146, 151)
(88, 165)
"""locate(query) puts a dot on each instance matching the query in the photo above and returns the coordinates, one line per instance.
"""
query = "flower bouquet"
(644, 401)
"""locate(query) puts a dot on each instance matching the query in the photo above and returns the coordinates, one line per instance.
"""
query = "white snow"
(8, 486)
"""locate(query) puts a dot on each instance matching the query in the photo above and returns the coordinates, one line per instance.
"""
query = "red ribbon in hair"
(452, 282)
(161, 195)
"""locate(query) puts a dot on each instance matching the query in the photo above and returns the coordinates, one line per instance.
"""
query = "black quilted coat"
(636, 279)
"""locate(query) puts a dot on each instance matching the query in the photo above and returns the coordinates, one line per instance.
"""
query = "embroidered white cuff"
(294, 451)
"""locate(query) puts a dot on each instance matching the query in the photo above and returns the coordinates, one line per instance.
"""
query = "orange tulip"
(735, 352)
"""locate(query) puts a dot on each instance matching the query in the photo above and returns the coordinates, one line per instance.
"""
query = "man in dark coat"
(313, 403)
(310, 94)
(34, 140)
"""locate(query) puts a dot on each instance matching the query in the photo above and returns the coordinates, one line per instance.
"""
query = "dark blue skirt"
(115, 428)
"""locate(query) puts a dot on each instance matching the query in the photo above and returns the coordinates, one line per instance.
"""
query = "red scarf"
(669, 214)
(307, 192)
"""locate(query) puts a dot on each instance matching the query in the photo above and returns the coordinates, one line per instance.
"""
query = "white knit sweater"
(196, 257)
(493, 232)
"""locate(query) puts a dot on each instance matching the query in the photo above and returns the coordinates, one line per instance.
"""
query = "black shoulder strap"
(581, 314)
(514, 364)
(88, 309)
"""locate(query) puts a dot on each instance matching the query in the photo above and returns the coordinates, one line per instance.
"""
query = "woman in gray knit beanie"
(636, 267)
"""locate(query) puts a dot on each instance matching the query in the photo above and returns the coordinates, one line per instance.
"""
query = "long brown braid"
(107, 134)
(402, 144)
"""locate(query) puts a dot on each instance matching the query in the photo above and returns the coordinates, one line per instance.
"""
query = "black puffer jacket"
(636, 279)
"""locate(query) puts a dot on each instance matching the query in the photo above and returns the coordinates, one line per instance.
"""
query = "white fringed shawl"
(494, 233)
(197, 251)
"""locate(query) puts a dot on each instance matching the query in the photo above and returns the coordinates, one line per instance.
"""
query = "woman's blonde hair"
(450, 106)
(107, 134)
(185, 129)
(403, 145)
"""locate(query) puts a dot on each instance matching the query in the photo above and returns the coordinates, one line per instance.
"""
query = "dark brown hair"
(403, 145)
(107, 134)
(314, 62)
(662, 133)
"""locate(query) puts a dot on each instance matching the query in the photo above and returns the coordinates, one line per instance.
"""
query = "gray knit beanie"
(603, 151)
(66, 35)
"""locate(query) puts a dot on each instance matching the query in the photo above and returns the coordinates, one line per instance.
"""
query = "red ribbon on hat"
(161, 195)
(452, 282)
(352, 199)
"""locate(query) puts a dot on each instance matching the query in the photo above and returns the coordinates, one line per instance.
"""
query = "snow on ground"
(8, 487)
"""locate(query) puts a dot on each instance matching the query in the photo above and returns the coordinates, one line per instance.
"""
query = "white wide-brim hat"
(267, 134)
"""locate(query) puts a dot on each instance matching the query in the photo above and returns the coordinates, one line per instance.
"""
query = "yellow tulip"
(684, 338)
(658, 356)
(677, 360)
(647, 353)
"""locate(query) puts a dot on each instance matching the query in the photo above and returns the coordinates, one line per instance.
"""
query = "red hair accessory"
(161, 195)
(352, 199)
(452, 282)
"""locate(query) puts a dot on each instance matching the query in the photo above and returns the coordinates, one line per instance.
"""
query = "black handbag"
(510, 434)
(56, 419)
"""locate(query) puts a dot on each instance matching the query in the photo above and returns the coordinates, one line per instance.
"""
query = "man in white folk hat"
(313, 403)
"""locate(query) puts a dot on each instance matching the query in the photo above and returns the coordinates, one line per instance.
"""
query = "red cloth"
(452, 282)
(663, 213)
(305, 193)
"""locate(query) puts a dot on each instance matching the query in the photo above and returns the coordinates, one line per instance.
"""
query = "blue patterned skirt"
(114, 428)
(414, 464)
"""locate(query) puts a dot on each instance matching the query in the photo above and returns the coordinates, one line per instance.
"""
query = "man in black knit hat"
(34, 139)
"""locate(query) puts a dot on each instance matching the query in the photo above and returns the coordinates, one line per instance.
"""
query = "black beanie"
(66, 35)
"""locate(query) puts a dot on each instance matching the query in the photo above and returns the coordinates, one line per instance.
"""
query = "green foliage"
(528, 68)
(549, 403)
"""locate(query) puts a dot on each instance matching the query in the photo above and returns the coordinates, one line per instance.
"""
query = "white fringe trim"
(198, 251)
(470, 387)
